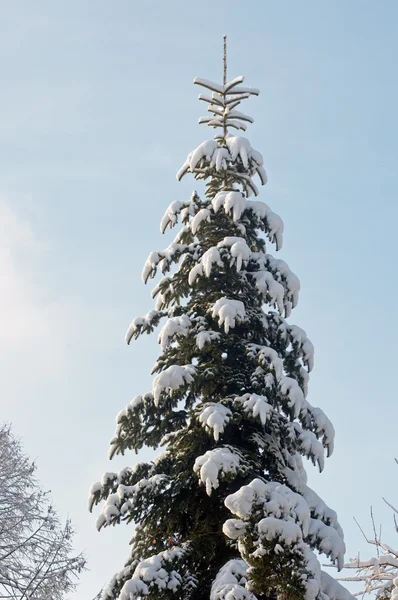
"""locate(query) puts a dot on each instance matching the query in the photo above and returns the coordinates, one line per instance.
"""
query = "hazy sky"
(97, 113)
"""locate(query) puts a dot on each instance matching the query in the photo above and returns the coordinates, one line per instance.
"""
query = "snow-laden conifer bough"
(224, 512)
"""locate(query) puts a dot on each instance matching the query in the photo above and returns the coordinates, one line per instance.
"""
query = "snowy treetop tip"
(223, 102)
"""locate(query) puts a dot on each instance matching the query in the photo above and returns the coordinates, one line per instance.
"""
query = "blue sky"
(97, 113)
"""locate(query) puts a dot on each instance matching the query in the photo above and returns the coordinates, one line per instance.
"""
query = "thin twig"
(377, 542)
(361, 530)
(391, 506)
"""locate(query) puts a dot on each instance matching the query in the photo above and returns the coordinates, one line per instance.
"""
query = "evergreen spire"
(224, 79)
(225, 511)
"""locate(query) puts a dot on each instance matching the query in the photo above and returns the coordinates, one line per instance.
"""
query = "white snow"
(333, 589)
(241, 503)
(286, 521)
(238, 152)
(175, 326)
(150, 264)
(107, 477)
(305, 379)
(240, 147)
(135, 403)
(215, 464)
(256, 405)
(204, 150)
(274, 222)
(282, 274)
(171, 379)
(231, 87)
(283, 516)
(142, 324)
(238, 90)
(229, 241)
(317, 506)
(202, 215)
(214, 99)
(292, 281)
(214, 416)
(323, 426)
(286, 532)
(164, 259)
(228, 312)
(234, 528)
(170, 216)
(209, 258)
(236, 202)
(95, 488)
(220, 159)
(291, 389)
(236, 114)
(328, 540)
(312, 447)
(230, 581)
(124, 498)
(205, 265)
(153, 574)
(211, 85)
(134, 589)
(231, 201)
(230, 122)
(239, 250)
(276, 500)
(378, 574)
(206, 337)
(271, 357)
(195, 272)
(267, 356)
(300, 337)
(166, 285)
(266, 284)
(233, 83)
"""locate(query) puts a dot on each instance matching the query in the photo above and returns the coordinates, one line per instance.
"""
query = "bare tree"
(36, 561)
(379, 574)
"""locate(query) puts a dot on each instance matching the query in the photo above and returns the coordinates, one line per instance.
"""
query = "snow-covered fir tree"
(224, 512)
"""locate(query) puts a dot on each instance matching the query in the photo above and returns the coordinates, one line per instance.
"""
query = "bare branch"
(378, 572)
(35, 549)
(376, 541)
(391, 506)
